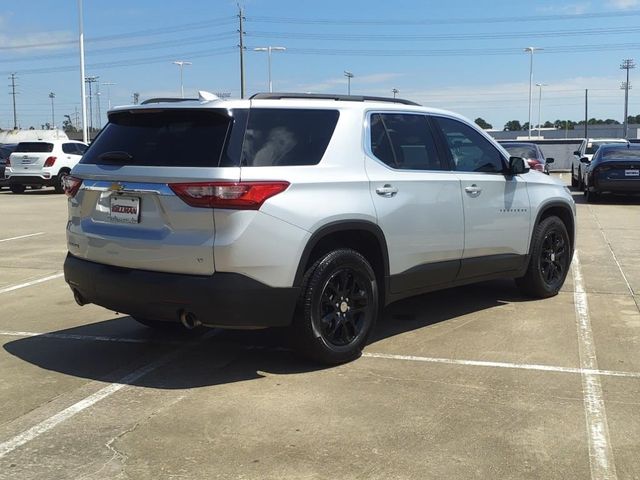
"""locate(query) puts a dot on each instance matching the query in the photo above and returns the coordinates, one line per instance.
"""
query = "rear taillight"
(238, 196)
(71, 185)
(50, 161)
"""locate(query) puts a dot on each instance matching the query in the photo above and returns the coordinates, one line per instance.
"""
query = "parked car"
(5, 151)
(531, 153)
(42, 163)
(584, 154)
(613, 169)
(306, 211)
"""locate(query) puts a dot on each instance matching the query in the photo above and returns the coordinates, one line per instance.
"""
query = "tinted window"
(404, 141)
(34, 147)
(81, 148)
(189, 138)
(287, 136)
(6, 150)
(69, 148)
(622, 153)
(470, 151)
(520, 151)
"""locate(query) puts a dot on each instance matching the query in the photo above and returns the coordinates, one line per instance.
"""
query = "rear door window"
(69, 148)
(168, 138)
(278, 137)
(404, 141)
(34, 147)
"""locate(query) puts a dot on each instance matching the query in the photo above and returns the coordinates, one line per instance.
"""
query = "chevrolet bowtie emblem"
(116, 187)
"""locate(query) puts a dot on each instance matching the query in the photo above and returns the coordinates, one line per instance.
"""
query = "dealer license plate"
(632, 173)
(124, 209)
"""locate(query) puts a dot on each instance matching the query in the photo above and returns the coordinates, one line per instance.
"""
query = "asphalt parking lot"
(472, 382)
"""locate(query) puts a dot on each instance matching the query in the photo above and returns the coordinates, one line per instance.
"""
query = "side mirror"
(549, 160)
(517, 165)
(577, 153)
(585, 160)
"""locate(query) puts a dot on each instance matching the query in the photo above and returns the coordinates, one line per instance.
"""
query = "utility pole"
(395, 92)
(53, 116)
(99, 122)
(586, 112)
(13, 93)
(181, 64)
(91, 81)
(349, 76)
(530, 50)
(241, 31)
(540, 85)
(627, 65)
(270, 49)
(136, 98)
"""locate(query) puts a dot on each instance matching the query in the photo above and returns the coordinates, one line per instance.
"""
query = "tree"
(512, 126)
(482, 123)
(67, 126)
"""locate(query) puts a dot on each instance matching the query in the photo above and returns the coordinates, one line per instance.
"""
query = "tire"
(550, 259)
(17, 188)
(580, 185)
(589, 196)
(574, 181)
(58, 182)
(337, 308)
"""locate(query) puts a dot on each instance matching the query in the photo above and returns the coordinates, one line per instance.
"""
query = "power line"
(444, 36)
(444, 21)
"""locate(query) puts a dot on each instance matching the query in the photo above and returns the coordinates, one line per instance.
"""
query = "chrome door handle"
(386, 191)
(473, 190)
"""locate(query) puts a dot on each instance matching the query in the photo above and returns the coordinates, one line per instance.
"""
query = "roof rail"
(168, 100)
(323, 96)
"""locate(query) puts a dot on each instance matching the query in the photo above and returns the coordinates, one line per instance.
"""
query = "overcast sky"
(463, 55)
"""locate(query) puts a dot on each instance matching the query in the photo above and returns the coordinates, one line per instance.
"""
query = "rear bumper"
(31, 180)
(616, 186)
(228, 300)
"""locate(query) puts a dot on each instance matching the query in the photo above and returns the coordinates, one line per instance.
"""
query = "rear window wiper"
(115, 156)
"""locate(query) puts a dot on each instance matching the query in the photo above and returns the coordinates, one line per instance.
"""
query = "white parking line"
(600, 452)
(517, 366)
(94, 338)
(32, 282)
(21, 236)
(46, 425)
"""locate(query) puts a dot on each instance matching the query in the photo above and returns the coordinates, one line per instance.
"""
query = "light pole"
(108, 85)
(53, 117)
(627, 65)
(83, 87)
(530, 50)
(349, 76)
(540, 85)
(181, 64)
(269, 49)
(395, 92)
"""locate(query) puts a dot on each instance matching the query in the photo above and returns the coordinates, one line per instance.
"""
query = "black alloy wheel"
(551, 254)
(553, 262)
(337, 309)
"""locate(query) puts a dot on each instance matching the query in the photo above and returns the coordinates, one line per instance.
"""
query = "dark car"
(5, 150)
(531, 153)
(613, 169)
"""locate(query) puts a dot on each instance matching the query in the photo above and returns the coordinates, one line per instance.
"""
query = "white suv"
(42, 163)
(308, 211)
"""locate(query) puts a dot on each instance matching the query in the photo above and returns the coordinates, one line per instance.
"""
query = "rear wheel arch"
(362, 236)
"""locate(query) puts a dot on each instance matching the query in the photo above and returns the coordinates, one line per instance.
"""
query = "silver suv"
(307, 211)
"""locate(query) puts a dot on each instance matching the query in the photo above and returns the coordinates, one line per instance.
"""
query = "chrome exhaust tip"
(189, 320)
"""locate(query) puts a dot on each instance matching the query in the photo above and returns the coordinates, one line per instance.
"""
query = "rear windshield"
(521, 151)
(280, 136)
(622, 154)
(170, 138)
(34, 147)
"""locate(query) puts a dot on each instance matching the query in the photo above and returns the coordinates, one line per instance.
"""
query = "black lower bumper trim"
(228, 300)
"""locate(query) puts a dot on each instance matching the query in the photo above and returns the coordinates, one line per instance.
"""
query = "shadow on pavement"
(227, 356)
